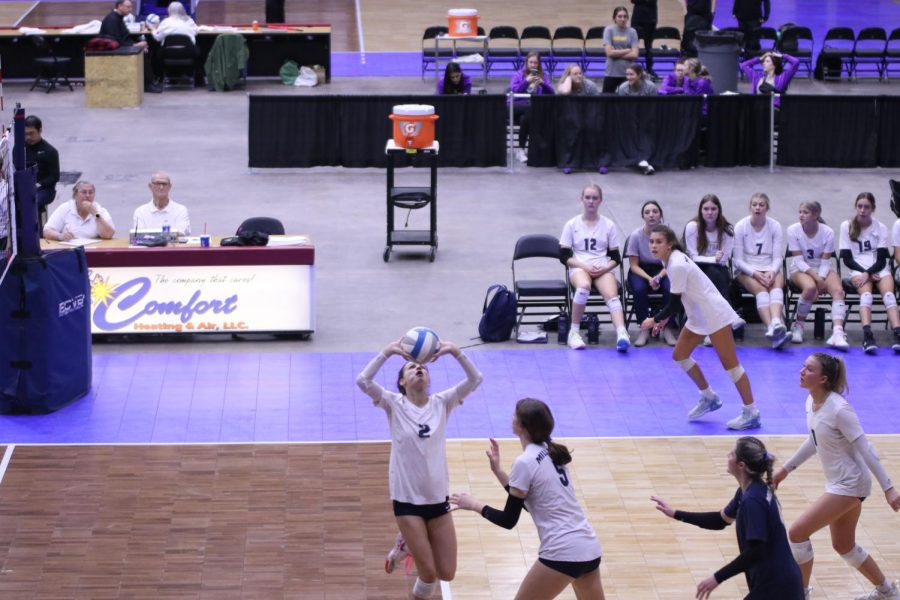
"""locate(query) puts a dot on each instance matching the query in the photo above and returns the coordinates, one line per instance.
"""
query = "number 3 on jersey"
(563, 478)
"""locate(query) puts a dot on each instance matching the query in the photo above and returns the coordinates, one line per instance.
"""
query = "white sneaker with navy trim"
(748, 419)
(892, 594)
(705, 405)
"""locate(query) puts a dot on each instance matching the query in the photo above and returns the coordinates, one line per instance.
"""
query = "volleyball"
(421, 343)
(152, 19)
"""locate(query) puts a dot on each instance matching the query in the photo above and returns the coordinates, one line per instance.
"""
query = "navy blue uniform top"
(758, 517)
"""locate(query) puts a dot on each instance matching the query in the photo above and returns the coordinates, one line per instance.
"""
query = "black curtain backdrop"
(889, 131)
(738, 131)
(351, 131)
(828, 131)
(586, 132)
(583, 133)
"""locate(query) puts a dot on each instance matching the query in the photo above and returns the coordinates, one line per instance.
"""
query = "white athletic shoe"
(669, 336)
(838, 340)
(647, 167)
(397, 554)
(707, 341)
(705, 405)
(642, 338)
(778, 329)
(807, 593)
(623, 342)
(575, 341)
(797, 333)
(892, 594)
(738, 323)
(521, 155)
(748, 419)
(770, 331)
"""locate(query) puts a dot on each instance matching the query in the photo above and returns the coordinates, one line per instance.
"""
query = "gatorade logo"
(410, 128)
(464, 27)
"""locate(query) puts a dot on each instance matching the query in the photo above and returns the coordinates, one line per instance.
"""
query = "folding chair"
(545, 298)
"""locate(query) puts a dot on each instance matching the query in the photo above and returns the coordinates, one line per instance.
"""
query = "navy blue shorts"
(426, 511)
(572, 569)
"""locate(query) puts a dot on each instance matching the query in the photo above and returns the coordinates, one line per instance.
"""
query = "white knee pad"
(735, 373)
(763, 300)
(856, 557)
(581, 296)
(614, 304)
(802, 551)
(687, 364)
(803, 308)
(776, 296)
(890, 300)
(838, 311)
(424, 590)
(866, 299)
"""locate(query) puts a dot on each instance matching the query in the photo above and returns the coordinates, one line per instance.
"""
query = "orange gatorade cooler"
(413, 125)
(463, 22)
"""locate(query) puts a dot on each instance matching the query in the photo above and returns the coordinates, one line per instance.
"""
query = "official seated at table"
(162, 210)
(177, 23)
(81, 217)
(113, 27)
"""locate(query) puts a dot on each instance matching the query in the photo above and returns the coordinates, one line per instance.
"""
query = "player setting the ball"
(419, 481)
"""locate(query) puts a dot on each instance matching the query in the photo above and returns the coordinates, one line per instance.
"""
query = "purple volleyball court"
(308, 397)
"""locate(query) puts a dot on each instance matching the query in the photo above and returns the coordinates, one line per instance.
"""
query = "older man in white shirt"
(81, 217)
(162, 210)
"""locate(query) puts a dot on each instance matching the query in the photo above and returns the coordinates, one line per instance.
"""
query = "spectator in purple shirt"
(530, 80)
(775, 77)
(454, 81)
(673, 83)
(696, 79)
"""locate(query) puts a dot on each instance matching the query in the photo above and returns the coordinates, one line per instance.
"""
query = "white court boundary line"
(359, 29)
(6, 458)
(387, 441)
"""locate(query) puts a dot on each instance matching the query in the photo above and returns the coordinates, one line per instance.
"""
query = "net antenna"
(7, 199)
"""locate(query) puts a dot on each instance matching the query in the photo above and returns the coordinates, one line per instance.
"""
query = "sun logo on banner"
(102, 290)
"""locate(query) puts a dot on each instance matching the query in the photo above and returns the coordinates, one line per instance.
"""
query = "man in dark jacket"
(38, 151)
(113, 27)
(644, 18)
(750, 14)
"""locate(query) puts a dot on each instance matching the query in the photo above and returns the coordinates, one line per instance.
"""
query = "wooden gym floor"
(313, 521)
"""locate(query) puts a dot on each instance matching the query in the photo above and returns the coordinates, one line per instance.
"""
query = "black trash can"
(718, 51)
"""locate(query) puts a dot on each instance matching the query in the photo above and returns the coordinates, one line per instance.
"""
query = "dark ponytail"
(534, 417)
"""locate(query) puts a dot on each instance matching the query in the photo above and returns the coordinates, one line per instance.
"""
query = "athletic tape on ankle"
(856, 557)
